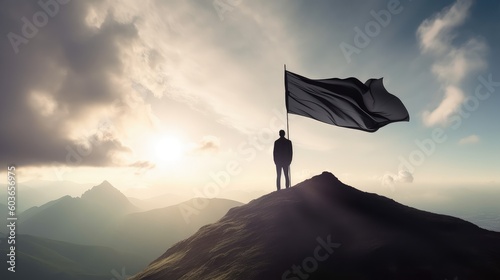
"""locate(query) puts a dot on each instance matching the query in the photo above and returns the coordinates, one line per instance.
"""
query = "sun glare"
(168, 150)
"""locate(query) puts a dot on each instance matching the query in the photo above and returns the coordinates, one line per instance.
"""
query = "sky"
(188, 95)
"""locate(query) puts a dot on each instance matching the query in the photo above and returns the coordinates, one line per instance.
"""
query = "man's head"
(282, 133)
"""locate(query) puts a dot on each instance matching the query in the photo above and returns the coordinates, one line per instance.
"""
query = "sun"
(167, 149)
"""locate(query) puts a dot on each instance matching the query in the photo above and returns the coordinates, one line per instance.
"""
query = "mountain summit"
(88, 220)
(324, 229)
(105, 195)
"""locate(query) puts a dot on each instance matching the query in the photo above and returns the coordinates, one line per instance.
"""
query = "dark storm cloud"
(55, 70)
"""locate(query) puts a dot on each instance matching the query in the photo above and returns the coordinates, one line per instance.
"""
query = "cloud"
(208, 143)
(403, 176)
(435, 33)
(452, 63)
(204, 69)
(453, 98)
(142, 167)
(471, 139)
(59, 83)
(97, 60)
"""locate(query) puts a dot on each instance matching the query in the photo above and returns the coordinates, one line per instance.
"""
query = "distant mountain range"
(153, 231)
(89, 220)
(156, 202)
(103, 216)
(323, 229)
(37, 193)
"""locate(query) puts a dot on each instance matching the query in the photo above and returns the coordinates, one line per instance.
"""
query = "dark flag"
(343, 102)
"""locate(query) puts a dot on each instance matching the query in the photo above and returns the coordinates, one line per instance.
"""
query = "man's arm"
(291, 151)
(274, 152)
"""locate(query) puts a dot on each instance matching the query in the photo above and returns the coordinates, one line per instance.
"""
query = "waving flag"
(343, 102)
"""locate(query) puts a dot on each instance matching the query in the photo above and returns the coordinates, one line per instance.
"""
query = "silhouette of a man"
(282, 154)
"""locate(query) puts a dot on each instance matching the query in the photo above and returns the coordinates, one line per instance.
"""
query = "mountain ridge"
(276, 237)
(104, 193)
(103, 216)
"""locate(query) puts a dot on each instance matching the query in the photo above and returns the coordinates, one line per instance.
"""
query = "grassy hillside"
(323, 229)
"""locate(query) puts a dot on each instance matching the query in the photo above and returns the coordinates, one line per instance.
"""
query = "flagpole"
(287, 132)
(286, 106)
(287, 128)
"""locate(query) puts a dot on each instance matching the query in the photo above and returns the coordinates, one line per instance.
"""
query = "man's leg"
(286, 170)
(278, 177)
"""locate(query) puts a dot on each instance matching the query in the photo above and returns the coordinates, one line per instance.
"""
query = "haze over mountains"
(160, 201)
(102, 223)
(480, 207)
(153, 231)
(323, 229)
(472, 203)
(37, 193)
(88, 220)
(104, 216)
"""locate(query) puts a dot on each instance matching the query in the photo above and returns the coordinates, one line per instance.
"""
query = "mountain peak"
(105, 184)
(324, 229)
(106, 194)
(104, 188)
